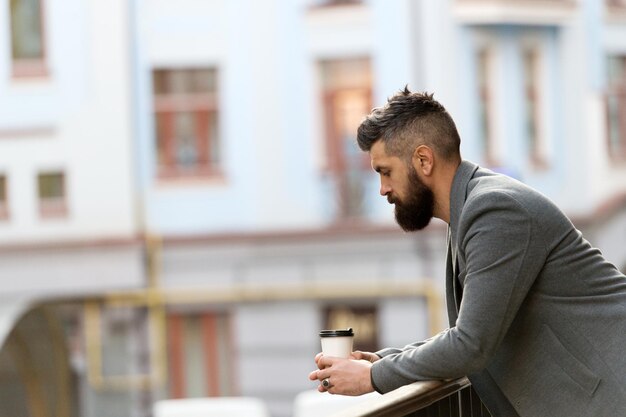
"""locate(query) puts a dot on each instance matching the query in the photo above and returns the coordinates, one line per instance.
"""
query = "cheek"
(400, 188)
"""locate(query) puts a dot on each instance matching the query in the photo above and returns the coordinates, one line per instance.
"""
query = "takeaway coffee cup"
(337, 343)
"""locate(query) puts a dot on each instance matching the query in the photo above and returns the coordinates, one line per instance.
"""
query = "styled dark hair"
(407, 121)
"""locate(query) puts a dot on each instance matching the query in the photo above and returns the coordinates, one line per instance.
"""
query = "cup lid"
(337, 333)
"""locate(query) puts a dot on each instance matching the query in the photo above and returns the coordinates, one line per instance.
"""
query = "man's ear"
(423, 160)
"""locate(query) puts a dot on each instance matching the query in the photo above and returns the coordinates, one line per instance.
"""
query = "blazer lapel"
(451, 301)
(458, 194)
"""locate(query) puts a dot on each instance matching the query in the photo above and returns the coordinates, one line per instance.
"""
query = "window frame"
(203, 105)
(338, 165)
(489, 147)
(533, 92)
(616, 90)
(4, 198)
(217, 362)
(52, 207)
(30, 67)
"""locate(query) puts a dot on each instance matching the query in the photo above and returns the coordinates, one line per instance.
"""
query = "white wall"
(78, 120)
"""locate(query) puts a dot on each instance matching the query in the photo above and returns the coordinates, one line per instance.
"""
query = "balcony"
(453, 398)
(515, 12)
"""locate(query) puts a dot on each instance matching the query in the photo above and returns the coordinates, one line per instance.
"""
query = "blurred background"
(183, 206)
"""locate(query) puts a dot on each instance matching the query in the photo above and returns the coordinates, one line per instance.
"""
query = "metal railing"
(454, 398)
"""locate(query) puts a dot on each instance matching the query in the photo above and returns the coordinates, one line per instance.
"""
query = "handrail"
(406, 399)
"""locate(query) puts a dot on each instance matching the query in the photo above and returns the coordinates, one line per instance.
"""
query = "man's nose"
(384, 189)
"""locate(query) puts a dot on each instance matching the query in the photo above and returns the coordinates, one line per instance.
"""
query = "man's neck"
(442, 189)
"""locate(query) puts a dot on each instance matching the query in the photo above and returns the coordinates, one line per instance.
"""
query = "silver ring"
(326, 382)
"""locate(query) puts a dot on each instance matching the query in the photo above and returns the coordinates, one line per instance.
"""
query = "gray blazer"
(537, 316)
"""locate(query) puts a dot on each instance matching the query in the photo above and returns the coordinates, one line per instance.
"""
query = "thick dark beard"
(416, 211)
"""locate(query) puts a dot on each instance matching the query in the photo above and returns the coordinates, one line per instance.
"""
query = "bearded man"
(537, 315)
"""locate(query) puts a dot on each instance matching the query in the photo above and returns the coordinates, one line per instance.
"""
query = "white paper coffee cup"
(337, 343)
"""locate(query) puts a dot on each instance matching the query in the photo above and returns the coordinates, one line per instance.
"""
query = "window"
(4, 207)
(51, 190)
(485, 106)
(123, 345)
(363, 319)
(27, 41)
(535, 142)
(186, 120)
(200, 355)
(616, 107)
(125, 336)
(347, 100)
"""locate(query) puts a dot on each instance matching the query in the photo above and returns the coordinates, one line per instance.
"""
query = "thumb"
(368, 356)
(357, 354)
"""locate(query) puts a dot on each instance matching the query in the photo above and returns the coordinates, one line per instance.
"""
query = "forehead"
(379, 157)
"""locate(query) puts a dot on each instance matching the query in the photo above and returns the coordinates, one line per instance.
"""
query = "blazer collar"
(458, 192)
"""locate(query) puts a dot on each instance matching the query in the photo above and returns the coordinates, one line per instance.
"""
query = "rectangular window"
(363, 319)
(4, 206)
(125, 342)
(200, 355)
(51, 192)
(616, 107)
(27, 38)
(485, 115)
(124, 346)
(186, 121)
(535, 142)
(347, 98)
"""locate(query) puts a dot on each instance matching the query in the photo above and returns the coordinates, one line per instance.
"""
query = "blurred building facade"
(68, 210)
(183, 207)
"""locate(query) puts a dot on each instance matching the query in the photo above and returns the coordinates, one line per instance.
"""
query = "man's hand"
(345, 376)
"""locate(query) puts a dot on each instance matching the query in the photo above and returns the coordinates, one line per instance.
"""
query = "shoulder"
(492, 191)
(496, 204)
(503, 202)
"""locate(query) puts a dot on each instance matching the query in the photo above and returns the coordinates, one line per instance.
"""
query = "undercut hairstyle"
(407, 121)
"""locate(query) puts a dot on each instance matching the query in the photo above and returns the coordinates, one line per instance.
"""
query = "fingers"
(319, 375)
(325, 385)
(345, 376)
(317, 360)
(368, 356)
(325, 361)
(357, 354)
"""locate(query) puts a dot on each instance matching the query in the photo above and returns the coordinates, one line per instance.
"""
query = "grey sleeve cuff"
(390, 351)
(373, 382)
(387, 351)
(383, 380)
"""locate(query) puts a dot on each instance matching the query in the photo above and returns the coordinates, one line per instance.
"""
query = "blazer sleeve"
(503, 254)
(390, 351)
